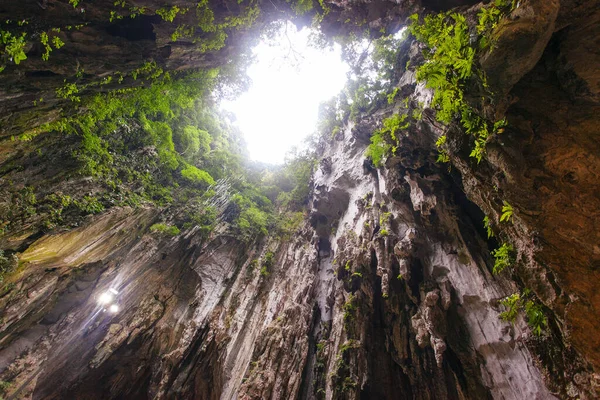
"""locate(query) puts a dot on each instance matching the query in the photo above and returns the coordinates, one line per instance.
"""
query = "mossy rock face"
(92, 242)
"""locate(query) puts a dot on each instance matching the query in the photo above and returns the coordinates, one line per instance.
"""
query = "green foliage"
(289, 222)
(12, 47)
(301, 7)
(74, 3)
(536, 319)
(449, 66)
(8, 264)
(443, 156)
(252, 223)
(68, 91)
(164, 229)
(350, 307)
(488, 227)
(392, 96)
(378, 149)
(45, 41)
(518, 302)
(511, 304)
(197, 176)
(88, 205)
(507, 212)
(267, 263)
(489, 16)
(193, 142)
(385, 141)
(502, 258)
(169, 13)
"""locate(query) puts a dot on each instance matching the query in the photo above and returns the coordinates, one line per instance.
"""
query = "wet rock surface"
(386, 290)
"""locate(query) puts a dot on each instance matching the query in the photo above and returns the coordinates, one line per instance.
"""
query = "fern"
(450, 65)
(535, 317)
(518, 302)
(385, 141)
(507, 212)
(502, 256)
(488, 227)
(512, 304)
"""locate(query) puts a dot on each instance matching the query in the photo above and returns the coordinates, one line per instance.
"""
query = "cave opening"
(291, 75)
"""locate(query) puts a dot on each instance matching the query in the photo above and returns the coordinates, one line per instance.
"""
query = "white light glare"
(114, 308)
(105, 298)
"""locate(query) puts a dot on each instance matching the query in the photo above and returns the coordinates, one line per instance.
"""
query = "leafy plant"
(165, 229)
(449, 67)
(535, 317)
(507, 212)
(502, 256)
(8, 264)
(69, 91)
(385, 141)
(13, 46)
(392, 96)
(518, 302)
(89, 205)
(197, 176)
(443, 156)
(349, 308)
(267, 263)
(512, 304)
(169, 13)
(488, 227)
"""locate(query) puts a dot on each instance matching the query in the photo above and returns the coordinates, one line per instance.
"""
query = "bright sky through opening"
(289, 81)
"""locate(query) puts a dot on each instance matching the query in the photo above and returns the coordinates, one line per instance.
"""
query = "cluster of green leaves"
(517, 302)
(449, 67)
(502, 258)
(169, 13)
(164, 229)
(48, 43)
(12, 47)
(341, 376)
(385, 140)
(507, 212)
(267, 263)
(489, 16)
(350, 307)
(488, 227)
(8, 264)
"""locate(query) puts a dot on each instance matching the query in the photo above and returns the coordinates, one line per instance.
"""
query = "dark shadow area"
(139, 28)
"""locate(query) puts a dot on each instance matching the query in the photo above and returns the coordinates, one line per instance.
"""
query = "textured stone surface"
(386, 290)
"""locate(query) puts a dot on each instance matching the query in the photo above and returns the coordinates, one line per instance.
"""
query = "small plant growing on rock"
(8, 264)
(267, 264)
(488, 227)
(535, 317)
(165, 229)
(507, 212)
(517, 302)
(511, 304)
(349, 308)
(502, 256)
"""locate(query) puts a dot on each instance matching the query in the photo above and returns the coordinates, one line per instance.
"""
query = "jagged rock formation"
(385, 292)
